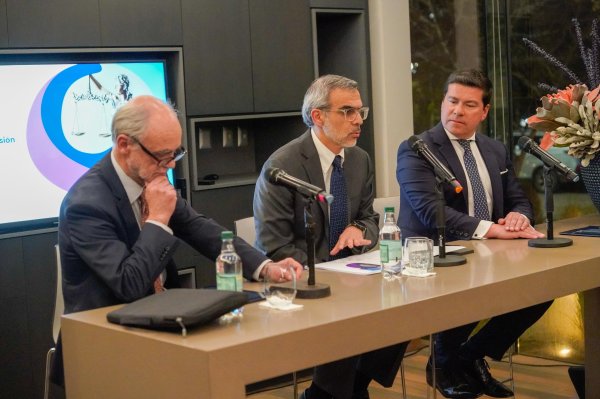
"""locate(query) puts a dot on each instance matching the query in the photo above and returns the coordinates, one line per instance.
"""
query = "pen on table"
(364, 266)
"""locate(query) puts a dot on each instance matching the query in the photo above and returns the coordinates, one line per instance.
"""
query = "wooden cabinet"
(141, 23)
(217, 59)
(230, 151)
(3, 25)
(346, 4)
(246, 56)
(282, 58)
(53, 23)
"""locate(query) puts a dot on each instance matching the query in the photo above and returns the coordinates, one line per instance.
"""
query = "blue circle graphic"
(51, 109)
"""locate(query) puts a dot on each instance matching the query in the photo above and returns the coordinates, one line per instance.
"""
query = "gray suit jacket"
(279, 212)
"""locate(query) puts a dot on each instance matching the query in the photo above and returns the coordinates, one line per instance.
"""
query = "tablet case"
(178, 309)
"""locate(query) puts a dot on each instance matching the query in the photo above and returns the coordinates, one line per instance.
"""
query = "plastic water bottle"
(229, 269)
(390, 246)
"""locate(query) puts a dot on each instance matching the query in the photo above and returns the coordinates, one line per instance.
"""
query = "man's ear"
(486, 109)
(317, 116)
(122, 143)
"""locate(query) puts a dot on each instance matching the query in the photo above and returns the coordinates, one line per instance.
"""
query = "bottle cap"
(389, 209)
(226, 235)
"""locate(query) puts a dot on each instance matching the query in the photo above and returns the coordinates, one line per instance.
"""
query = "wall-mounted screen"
(55, 125)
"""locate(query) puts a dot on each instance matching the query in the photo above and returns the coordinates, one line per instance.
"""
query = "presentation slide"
(55, 125)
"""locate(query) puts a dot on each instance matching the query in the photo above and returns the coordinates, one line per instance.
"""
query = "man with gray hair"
(121, 222)
(327, 157)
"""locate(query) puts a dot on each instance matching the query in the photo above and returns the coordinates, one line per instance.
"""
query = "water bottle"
(390, 246)
(229, 269)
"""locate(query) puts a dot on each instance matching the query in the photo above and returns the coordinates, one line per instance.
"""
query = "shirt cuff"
(161, 225)
(482, 229)
(256, 274)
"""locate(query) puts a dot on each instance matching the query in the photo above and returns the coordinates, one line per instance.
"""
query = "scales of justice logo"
(69, 125)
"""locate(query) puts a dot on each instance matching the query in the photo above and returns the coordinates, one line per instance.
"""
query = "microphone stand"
(549, 241)
(310, 289)
(442, 259)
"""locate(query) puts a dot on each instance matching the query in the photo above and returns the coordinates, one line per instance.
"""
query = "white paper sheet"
(369, 259)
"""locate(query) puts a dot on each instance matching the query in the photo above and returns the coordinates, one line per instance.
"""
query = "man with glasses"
(121, 222)
(327, 157)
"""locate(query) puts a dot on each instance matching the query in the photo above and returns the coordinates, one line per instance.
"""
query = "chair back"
(59, 305)
(244, 228)
(379, 204)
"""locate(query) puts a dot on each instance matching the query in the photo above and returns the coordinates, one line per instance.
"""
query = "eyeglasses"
(350, 113)
(163, 163)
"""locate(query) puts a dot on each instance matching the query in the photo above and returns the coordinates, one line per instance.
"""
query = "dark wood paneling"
(53, 23)
(40, 274)
(141, 23)
(343, 49)
(15, 354)
(282, 66)
(225, 205)
(16, 371)
(3, 25)
(338, 3)
(217, 60)
(12, 270)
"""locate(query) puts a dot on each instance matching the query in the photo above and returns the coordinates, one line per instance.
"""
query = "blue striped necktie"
(480, 206)
(338, 210)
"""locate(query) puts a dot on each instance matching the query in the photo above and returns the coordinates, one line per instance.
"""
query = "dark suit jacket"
(106, 258)
(417, 187)
(279, 212)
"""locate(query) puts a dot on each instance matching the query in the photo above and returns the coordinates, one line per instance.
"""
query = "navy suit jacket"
(279, 212)
(107, 260)
(417, 187)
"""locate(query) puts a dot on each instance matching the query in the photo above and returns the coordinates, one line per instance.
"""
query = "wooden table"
(104, 360)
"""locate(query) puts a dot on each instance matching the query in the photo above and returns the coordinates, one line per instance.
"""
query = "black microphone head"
(272, 174)
(525, 143)
(414, 142)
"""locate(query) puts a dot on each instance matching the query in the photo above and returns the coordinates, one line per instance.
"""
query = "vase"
(591, 180)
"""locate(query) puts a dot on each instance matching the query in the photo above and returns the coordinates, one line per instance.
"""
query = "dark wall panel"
(53, 23)
(217, 60)
(12, 270)
(15, 353)
(338, 3)
(40, 274)
(16, 372)
(3, 25)
(141, 22)
(282, 67)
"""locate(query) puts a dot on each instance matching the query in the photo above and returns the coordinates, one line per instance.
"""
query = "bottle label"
(390, 251)
(229, 282)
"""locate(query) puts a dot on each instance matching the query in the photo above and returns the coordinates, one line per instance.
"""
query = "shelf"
(242, 179)
(234, 147)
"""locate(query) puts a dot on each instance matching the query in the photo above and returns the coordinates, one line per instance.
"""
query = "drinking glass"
(277, 290)
(418, 255)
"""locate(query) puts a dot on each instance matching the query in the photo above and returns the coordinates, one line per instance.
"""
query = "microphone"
(280, 178)
(550, 161)
(440, 170)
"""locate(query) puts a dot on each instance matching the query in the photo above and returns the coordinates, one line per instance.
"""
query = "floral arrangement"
(570, 118)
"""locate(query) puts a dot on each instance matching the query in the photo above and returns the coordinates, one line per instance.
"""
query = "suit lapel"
(312, 166)
(489, 157)
(125, 210)
(446, 150)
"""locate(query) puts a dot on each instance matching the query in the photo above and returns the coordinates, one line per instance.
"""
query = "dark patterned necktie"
(158, 285)
(338, 210)
(480, 206)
